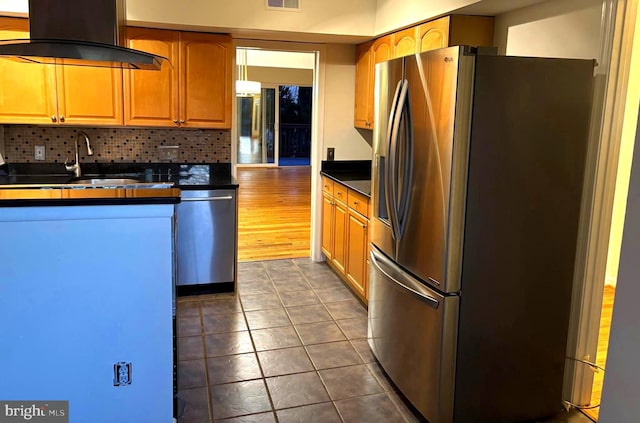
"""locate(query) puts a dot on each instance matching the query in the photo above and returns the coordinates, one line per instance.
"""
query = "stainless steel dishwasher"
(207, 241)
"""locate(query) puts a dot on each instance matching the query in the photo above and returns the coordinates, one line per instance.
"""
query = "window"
(283, 4)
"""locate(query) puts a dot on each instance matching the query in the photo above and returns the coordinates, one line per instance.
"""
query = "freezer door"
(412, 333)
(439, 85)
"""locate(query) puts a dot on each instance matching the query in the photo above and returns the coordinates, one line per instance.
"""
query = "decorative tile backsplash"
(118, 145)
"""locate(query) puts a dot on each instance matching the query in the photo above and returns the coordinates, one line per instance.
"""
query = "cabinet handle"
(339, 194)
(181, 120)
(175, 121)
(61, 118)
(355, 202)
(53, 119)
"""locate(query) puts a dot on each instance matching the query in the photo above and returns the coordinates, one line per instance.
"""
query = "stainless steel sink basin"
(104, 181)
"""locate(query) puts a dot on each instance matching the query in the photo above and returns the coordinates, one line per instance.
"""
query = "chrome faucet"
(75, 167)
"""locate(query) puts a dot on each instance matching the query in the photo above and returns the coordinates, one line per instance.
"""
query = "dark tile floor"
(291, 347)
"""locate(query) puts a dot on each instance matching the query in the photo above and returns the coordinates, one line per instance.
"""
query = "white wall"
(351, 17)
(622, 380)
(338, 106)
(18, 7)
(272, 75)
(283, 59)
(558, 28)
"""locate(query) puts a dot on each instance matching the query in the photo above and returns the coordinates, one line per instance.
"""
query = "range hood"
(79, 32)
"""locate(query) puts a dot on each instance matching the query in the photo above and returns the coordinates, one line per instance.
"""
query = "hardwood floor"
(274, 213)
(603, 344)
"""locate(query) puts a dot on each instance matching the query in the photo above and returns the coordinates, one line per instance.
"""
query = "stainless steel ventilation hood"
(78, 32)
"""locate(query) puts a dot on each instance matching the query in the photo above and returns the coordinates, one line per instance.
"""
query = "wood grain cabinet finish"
(327, 226)
(443, 32)
(404, 42)
(193, 90)
(345, 240)
(55, 94)
(363, 109)
(151, 97)
(88, 95)
(358, 247)
(205, 80)
(340, 237)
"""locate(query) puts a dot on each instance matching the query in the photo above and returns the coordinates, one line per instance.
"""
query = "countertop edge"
(347, 184)
(39, 202)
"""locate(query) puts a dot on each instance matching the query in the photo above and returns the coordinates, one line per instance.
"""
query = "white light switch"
(39, 152)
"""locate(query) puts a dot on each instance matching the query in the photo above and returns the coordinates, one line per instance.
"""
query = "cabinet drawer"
(327, 185)
(340, 193)
(358, 202)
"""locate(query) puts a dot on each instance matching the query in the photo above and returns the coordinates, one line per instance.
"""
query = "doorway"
(273, 144)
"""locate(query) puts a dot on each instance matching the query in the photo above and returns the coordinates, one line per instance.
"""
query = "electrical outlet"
(39, 152)
(331, 153)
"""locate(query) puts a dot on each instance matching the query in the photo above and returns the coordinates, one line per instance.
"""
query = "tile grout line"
(255, 351)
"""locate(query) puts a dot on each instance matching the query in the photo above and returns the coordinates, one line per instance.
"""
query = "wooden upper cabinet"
(88, 95)
(205, 80)
(27, 93)
(151, 97)
(382, 50)
(192, 90)
(443, 32)
(434, 34)
(404, 42)
(363, 110)
(455, 30)
(56, 94)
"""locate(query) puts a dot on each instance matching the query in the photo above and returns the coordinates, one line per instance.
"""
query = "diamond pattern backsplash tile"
(117, 145)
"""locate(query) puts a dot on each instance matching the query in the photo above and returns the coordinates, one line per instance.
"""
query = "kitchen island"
(87, 300)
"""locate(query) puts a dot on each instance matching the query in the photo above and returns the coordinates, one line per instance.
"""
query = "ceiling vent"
(283, 4)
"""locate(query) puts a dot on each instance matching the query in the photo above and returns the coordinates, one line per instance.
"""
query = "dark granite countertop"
(186, 176)
(354, 174)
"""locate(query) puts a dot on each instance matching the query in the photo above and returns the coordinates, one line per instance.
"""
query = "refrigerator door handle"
(404, 105)
(408, 283)
(393, 160)
(389, 176)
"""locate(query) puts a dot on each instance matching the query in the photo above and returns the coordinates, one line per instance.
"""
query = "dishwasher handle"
(221, 198)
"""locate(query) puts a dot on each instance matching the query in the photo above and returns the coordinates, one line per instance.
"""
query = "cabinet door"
(327, 226)
(381, 50)
(433, 34)
(27, 93)
(404, 42)
(205, 80)
(471, 30)
(363, 113)
(357, 253)
(339, 236)
(151, 97)
(89, 95)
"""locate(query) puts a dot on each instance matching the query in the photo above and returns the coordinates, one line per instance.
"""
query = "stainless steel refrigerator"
(477, 183)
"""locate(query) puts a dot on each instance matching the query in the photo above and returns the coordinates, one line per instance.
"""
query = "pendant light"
(244, 87)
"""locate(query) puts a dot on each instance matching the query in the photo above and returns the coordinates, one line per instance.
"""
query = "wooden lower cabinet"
(345, 239)
(327, 226)
(356, 270)
(339, 236)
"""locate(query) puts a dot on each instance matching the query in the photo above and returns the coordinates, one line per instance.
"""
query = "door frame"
(610, 91)
(317, 125)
